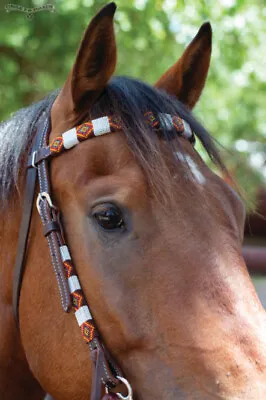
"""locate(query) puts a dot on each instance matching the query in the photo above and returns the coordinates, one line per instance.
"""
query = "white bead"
(101, 126)
(70, 138)
(83, 314)
(65, 253)
(73, 283)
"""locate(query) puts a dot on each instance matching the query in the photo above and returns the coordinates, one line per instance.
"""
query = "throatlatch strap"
(25, 227)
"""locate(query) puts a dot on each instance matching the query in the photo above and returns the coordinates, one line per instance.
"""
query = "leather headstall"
(106, 372)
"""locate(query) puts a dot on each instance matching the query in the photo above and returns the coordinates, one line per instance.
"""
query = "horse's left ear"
(94, 66)
(96, 59)
(186, 78)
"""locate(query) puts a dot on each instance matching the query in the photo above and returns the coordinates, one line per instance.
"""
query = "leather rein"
(105, 372)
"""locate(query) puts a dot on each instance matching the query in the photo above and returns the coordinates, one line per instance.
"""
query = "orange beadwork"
(115, 123)
(178, 124)
(152, 120)
(88, 331)
(86, 130)
(68, 268)
(57, 145)
(77, 300)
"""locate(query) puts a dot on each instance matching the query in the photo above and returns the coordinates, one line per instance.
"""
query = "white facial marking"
(197, 174)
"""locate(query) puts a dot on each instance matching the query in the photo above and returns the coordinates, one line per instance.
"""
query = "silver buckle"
(44, 196)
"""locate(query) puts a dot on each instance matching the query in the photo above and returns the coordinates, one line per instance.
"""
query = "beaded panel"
(104, 125)
(79, 304)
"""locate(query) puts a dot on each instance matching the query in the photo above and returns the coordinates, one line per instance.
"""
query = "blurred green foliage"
(36, 55)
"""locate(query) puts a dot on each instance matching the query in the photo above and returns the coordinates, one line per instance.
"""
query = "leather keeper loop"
(41, 154)
(51, 227)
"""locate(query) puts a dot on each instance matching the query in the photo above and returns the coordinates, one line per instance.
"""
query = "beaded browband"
(105, 125)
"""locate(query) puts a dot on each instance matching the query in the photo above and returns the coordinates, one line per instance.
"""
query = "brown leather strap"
(105, 370)
(52, 226)
(50, 214)
(97, 356)
(24, 227)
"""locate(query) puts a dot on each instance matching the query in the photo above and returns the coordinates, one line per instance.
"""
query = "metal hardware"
(129, 389)
(44, 196)
(33, 158)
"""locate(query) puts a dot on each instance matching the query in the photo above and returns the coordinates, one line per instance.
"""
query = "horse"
(153, 233)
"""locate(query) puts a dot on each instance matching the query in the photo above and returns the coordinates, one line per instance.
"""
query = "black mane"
(127, 98)
(16, 135)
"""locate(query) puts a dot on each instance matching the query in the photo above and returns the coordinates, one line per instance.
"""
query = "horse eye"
(109, 217)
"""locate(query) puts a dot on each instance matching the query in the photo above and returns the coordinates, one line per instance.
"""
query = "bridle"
(106, 372)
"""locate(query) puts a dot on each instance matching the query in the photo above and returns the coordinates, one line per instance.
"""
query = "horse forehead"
(104, 156)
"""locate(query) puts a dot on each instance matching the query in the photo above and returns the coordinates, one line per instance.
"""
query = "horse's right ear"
(186, 78)
(95, 64)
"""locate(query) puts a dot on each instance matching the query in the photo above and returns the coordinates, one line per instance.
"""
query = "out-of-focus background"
(37, 51)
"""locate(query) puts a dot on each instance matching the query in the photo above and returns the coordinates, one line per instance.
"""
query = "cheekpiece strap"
(70, 288)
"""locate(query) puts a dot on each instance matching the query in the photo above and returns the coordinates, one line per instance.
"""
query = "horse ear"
(95, 64)
(186, 78)
(96, 59)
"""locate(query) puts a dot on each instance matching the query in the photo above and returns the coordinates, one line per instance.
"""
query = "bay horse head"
(154, 234)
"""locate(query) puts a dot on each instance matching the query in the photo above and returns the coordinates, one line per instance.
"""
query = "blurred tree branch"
(14, 55)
